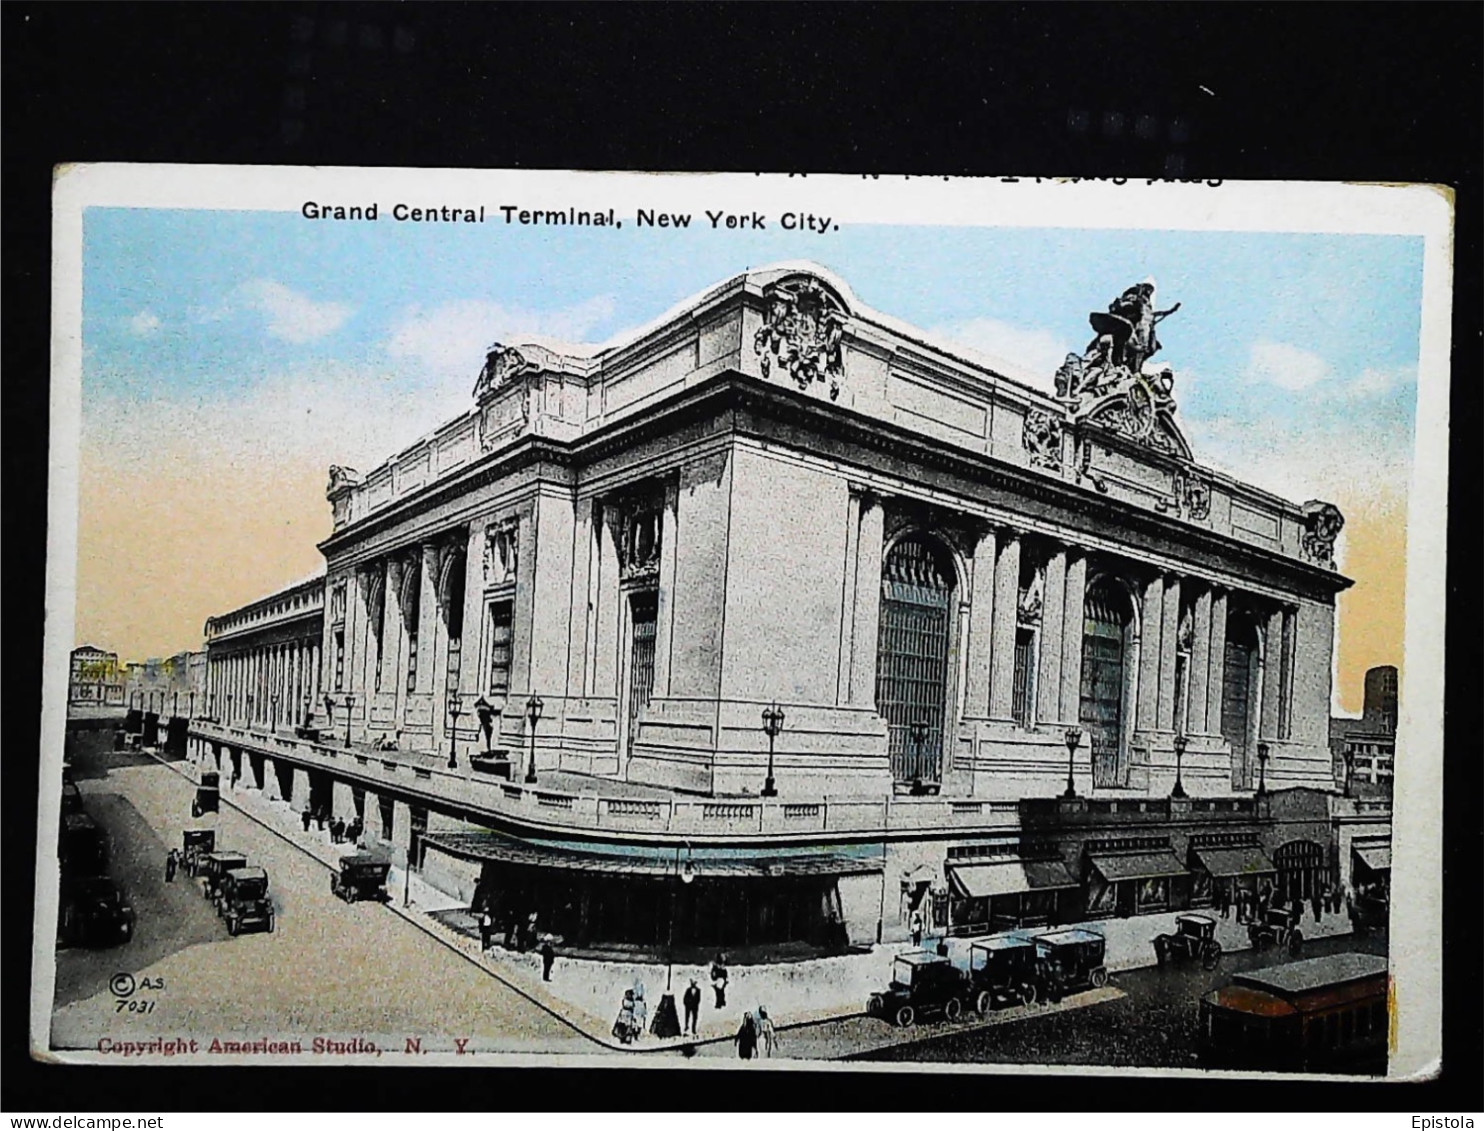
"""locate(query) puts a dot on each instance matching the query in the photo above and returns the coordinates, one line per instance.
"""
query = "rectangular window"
(340, 659)
(1285, 685)
(500, 618)
(411, 661)
(1182, 692)
(1024, 685)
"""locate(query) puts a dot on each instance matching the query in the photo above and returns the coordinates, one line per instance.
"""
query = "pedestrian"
(170, 865)
(548, 957)
(528, 938)
(509, 929)
(305, 818)
(623, 1027)
(1223, 903)
(641, 1011)
(1315, 899)
(766, 1032)
(486, 930)
(746, 1038)
(320, 819)
(719, 980)
(692, 1001)
(917, 928)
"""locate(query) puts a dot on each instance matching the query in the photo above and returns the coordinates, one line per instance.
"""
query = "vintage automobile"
(922, 985)
(362, 875)
(1369, 910)
(244, 902)
(1194, 937)
(213, 869)
(194, 845)
(208, 794)
(94, 913)
(1003, 970)
(1276, 929)
(1069, 961)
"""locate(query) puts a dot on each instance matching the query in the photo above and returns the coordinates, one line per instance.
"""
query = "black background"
(1373, 92)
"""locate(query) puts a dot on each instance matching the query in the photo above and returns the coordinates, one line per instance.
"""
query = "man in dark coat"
(170, 866)
(548, 957)
(691, 999)
(304, 819)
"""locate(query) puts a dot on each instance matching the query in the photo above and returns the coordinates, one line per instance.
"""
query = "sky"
(230, 357)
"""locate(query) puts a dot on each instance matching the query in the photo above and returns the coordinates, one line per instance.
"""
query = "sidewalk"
(587, 993)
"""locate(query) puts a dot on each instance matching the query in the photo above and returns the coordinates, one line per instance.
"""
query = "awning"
(492, 847)
(1376, 857)
(1138, 866)
(1007, 877)
(1243, 861)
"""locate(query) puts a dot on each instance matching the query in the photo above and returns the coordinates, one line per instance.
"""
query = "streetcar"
(1321, 1014)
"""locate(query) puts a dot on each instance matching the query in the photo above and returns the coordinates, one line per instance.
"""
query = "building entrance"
(912, 656)
(1104, 630)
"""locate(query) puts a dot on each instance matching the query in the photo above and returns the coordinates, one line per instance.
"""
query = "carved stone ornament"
(341, 479)
(502, 364)
(1041, 436)
(1028, 609)
(1194, 496)
(1322, 525)
(804, 331)
(501, 551)
(1109, 385)
(639, 544)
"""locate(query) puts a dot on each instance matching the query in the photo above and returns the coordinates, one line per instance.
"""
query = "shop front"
(1002, 894)
(1220, 871)
(1141, 880)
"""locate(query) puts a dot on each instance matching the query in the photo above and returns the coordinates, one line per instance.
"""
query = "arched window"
(917, 586)
(1107, 631)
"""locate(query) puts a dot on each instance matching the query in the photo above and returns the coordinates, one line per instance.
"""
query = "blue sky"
(207, 307)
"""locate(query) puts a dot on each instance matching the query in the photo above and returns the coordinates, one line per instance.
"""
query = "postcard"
(934, 624)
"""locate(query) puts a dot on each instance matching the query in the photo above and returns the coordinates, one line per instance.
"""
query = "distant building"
(1365, 748)
(96, 679)
(172, 686)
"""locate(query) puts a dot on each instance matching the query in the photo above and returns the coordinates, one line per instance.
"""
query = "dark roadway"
(1154, 1025)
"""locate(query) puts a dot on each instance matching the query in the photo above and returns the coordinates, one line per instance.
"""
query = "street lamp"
(454, 709)
(174, 704)
(349, 701)
(666, 1020)
(1349, 757)
(1262, 768)
(191, 706)
(308, 708)
(918, 731)
(533, 713)
(274, 698)
(1180, 743)
(1072, 738)
(772, 725)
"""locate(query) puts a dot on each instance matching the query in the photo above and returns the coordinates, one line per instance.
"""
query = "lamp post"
(1180, 743)
(772, 725)
(349, 701)
(1262, 768)
(174, 704)
(1072, 738)
(308, 708)
(918, 732)
(533, 713)
(666, 1020)
(191, 706)
(1349, 757)
(455, 709)
(274, 699)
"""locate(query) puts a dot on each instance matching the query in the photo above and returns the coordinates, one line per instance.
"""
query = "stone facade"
(966, 596)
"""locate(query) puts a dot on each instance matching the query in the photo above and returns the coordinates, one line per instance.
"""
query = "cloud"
(1288, 367)
(1375, 382)
(452, 338)
(143, 324)
(1037, 352)
(287, 314)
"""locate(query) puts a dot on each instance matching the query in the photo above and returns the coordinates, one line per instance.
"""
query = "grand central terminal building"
(786, 621)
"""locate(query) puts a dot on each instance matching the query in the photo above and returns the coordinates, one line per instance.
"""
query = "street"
(329, 970)
(1152, 1023)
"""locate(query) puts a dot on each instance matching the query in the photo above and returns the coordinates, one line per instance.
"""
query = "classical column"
(1049, 640)
(867, 603)
(432, 643)
(1169, 644)
(665, 612)
(1074, 616)
(847, 597)
(1200, 662)
(1216, 668)
(1151, 637)
(1272, 678)
(470, 675)
(981, 626)
(1006, 602)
